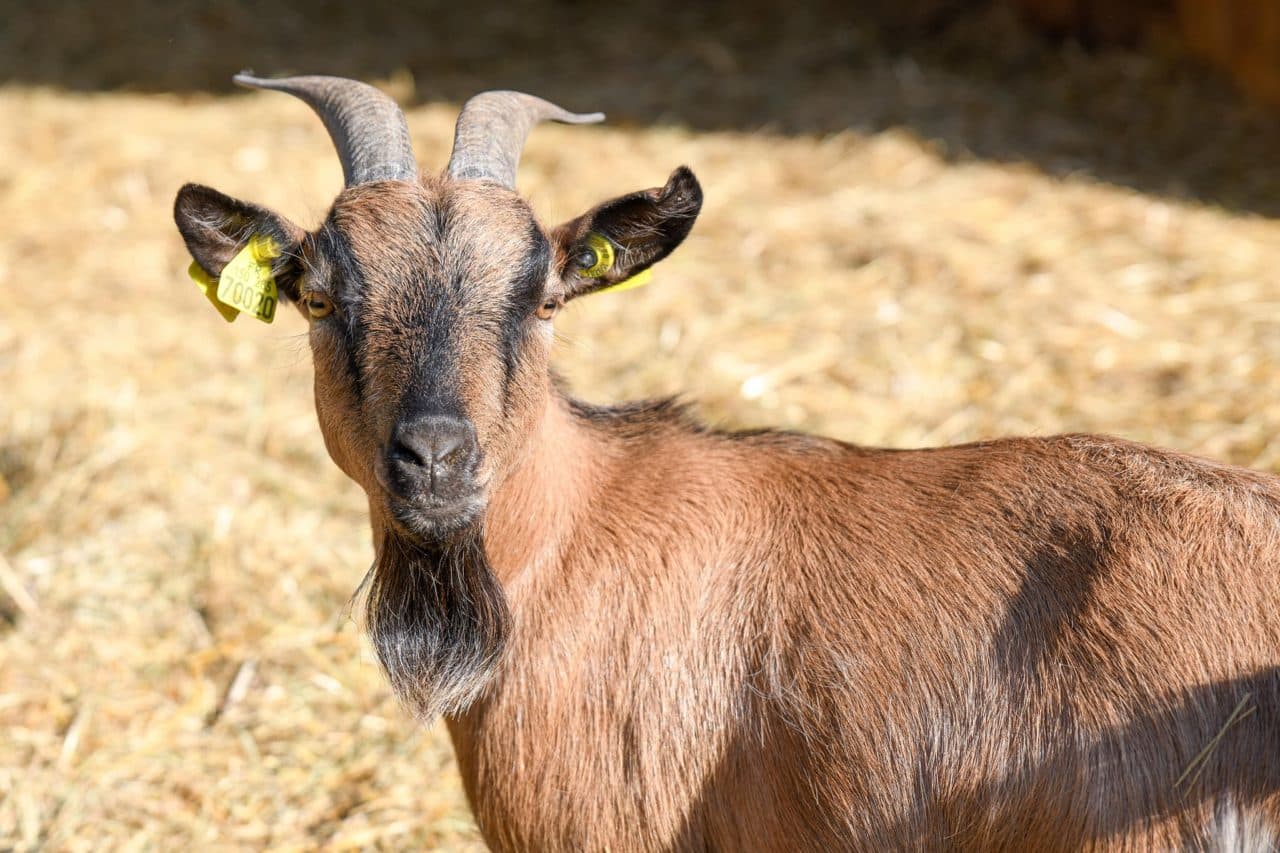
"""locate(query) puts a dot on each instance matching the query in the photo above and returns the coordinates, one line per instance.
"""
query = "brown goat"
(650, 635)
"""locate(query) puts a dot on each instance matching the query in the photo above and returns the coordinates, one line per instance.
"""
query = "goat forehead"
(436, 284)
(470, 240)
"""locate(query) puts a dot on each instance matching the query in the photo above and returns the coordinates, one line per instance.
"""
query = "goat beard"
(437, 619)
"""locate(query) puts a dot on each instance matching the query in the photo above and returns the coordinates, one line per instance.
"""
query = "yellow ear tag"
(209, 288)
(246, 282)
(640, 279)
(605, 256)
(603, 249)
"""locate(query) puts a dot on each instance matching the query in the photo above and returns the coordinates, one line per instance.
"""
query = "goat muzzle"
(430, 466)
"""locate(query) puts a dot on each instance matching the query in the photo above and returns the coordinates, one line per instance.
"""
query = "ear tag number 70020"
(246, 282)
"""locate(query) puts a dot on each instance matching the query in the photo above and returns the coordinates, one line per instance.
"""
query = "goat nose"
(425, 440)
(432, 451)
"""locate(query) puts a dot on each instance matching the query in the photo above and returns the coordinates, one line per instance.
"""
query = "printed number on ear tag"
(246, 282)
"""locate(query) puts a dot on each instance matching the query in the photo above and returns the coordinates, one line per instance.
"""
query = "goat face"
(431, 342)
(430, 306)
(430, 302)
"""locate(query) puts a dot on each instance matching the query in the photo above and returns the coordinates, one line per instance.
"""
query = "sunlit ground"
(178, 668)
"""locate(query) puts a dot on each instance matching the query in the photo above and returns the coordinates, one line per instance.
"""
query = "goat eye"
(587, 259)
(318, 305)
(547, 309)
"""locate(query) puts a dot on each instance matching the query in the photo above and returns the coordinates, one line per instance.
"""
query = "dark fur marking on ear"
(645, 227)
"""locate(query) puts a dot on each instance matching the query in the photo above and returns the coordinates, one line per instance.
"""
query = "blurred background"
(927, 221)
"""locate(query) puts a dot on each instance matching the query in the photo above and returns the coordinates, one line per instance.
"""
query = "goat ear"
(216, 227)
(642, 228)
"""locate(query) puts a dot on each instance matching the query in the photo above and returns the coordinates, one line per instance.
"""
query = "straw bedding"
(178, 666)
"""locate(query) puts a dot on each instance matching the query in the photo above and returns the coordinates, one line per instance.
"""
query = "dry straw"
(178, 668)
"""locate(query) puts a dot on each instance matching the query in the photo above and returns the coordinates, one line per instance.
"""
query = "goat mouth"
(425, 517)
(433, 520)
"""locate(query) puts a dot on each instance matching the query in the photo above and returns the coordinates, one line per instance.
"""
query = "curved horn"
(366, 126)
(491, 131)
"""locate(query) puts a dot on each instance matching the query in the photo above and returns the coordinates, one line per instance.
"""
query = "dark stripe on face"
(433, 311)
(531, 276)
(527, 287)
(347, 286)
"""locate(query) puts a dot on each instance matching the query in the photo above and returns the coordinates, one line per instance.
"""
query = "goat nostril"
(447, 449)
(438, 443)
(406, 454)
(407, 451)
(453, 458)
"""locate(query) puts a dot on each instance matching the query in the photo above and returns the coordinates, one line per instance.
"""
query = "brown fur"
(657, 636)
(781, 642)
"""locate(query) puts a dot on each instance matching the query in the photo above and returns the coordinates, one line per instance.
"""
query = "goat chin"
(437, 619)
(422, 523)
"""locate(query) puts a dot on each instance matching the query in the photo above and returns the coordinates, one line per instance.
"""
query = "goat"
(647, 634)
